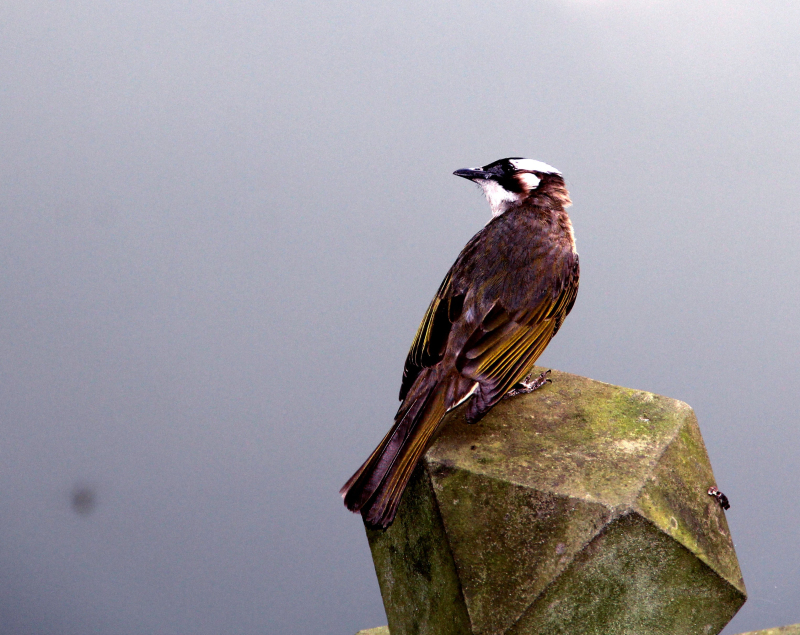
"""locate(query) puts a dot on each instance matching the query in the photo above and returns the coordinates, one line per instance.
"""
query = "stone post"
(580, 508)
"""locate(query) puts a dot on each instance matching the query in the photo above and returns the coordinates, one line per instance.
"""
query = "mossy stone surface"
(794, 629)
(417, 574)
(580, 508)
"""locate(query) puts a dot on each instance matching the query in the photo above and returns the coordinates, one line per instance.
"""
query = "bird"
(498, 307)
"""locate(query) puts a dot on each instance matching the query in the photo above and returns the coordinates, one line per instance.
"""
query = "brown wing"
(445, 309)
(430, 342)
(508, 319)
(501, 352)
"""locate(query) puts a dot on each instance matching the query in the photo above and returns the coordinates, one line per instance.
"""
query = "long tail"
(377, 487)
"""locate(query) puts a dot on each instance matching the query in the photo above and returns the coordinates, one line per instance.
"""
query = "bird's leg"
(525, 387)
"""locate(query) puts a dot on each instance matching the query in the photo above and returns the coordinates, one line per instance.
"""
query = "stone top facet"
(575, 437)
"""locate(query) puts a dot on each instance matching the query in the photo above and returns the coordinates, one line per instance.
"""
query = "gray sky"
(220, 223)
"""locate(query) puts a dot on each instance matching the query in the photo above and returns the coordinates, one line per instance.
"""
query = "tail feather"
(377, 487)
(362, 485)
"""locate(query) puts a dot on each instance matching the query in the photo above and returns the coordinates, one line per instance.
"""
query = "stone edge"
(792, 629)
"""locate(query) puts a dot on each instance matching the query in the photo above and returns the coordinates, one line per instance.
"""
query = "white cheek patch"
(536, 166)
(499, 197)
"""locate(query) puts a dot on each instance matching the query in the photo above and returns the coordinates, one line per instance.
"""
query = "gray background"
(220, 223)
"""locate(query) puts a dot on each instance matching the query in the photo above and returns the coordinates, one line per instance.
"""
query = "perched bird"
(494, 313)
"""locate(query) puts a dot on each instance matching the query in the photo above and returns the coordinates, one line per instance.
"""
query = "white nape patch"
(500, 199)
(535, 166)
(465, 397)
(530, 181)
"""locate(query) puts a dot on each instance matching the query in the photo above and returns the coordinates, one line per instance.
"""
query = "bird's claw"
(526, 387)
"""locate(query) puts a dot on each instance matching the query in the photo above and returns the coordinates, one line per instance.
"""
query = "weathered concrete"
(581, 508)
(781, 630)
(794, 629)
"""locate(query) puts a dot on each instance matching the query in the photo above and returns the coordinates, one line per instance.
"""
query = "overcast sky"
(221, 222)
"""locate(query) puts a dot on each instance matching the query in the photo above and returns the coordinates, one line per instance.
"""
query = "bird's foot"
(525, 387)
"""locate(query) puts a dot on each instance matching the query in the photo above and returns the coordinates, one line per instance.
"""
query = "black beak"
(474, 174)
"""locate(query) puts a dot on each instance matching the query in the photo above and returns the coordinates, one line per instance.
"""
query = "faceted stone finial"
(580, 508)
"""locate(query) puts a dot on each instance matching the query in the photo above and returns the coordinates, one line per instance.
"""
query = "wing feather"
(503, 357)
(429, 343)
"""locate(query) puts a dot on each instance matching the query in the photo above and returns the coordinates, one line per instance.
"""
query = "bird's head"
(509, 182)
